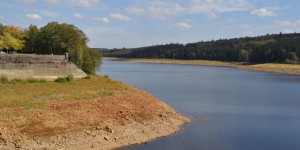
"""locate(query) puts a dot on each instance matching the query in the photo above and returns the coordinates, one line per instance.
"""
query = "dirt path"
(102, 123)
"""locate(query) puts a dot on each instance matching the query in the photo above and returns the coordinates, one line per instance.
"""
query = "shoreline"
(107, 122)
(291, 69)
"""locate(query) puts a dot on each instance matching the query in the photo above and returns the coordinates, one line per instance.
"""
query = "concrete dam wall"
(47, 67)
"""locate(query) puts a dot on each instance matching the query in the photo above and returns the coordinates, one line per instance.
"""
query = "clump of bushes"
(106, 76)
(5, 80)
(69, 78)
(88, 77)
(61, 80)
(36, 80)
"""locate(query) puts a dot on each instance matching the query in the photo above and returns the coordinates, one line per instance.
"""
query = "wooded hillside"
(276, 48)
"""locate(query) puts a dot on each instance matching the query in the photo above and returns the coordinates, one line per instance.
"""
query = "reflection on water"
(230, 109)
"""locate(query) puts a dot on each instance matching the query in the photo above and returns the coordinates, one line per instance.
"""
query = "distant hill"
(276, 48)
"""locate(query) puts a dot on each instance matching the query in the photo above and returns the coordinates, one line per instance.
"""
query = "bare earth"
(266, 67)
(102, 123)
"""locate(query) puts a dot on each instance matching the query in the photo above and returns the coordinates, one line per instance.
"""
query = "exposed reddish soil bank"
(103, 123)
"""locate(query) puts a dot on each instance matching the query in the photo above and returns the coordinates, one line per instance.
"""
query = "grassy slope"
(36, 95)
(265, 67)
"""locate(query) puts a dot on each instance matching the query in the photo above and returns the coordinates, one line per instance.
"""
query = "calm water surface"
(230, 109)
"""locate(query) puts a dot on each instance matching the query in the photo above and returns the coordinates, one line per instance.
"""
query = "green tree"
(244, 55)
(56, 38)
(2, 43)
(87, 59)
(31, 34)
(292, 57)
(1, 28)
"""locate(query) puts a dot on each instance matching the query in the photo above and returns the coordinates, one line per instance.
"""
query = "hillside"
(275, 48)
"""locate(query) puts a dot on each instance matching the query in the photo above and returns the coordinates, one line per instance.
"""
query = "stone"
(108, 129)
(106, 138)
(2, 140)
(17, 144)
(88, 132)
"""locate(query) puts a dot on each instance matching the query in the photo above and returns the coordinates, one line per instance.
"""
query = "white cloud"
(288, 31)
(211, 8)
(47, 13)
(263, 12)
(120, 17)
(224, 27)
(183, 26)
(78, 16)
(164, 9)
(101, 19)
(188, 20)
(245, 26)
(86, 3)
(27, 1)
(1, 18)
(53, 2)
(249, 33)
(284, 23)
(34, 16)
(135, 10)
(231, 20)
(161, 12)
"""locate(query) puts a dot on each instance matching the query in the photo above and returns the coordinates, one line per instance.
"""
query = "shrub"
(3, 79)
(61, 80)
(70, 78)
(14, 81)
(36, 80)
(86, 59)
(88, 77)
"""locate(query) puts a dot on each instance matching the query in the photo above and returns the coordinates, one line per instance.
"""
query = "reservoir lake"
(230, 109)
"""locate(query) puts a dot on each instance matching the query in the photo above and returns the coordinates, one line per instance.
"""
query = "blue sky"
(136, 23)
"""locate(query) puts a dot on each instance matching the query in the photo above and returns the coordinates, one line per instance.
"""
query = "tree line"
(275, 48)
(53, 38)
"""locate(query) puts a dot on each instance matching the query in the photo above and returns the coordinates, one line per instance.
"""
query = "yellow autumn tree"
(12, 38)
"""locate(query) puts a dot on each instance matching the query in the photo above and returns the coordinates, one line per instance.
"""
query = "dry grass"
(172, 61)
(271, 67)
(265, 67)
(36, 95)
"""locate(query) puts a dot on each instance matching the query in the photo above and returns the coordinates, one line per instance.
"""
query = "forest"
(54, 39)
(273, 48)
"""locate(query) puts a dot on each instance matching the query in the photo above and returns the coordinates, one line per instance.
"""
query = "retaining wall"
(47, 67)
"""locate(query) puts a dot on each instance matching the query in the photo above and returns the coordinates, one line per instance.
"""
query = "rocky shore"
(102, 123)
